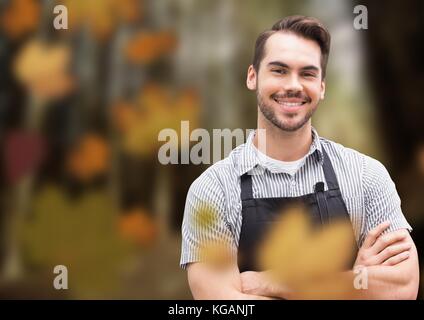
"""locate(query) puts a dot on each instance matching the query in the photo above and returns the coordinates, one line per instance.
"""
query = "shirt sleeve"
(204, 220)
(381, 200)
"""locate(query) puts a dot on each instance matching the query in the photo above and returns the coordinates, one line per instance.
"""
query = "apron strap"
(246, 186)
(322, 202)
(330, 175)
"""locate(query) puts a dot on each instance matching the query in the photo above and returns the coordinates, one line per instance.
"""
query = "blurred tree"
(394, 43)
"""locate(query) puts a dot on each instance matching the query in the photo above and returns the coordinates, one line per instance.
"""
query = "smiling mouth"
(290, 103)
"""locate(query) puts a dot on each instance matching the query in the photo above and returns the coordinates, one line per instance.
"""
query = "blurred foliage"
(145, 47)
(154, 64)
(20, 18)
(156, 107)
(101, 17)
(216, 252)
(81, 234)
(89, 158)
(44, 69)
(23, 153)
(309, 261)
(138, 227)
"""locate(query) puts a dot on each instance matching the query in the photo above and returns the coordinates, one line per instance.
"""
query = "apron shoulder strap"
(246, 186)
(330, 175)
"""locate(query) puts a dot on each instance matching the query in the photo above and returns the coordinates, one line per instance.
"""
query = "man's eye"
(309, 75)
(279, 71)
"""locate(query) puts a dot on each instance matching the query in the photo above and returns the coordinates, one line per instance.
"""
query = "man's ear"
(251, 78)
(322, 90)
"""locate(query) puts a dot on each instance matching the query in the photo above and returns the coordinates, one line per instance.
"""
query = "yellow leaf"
(101, 16)
(156, 108)
(44, 69)
(300, 256)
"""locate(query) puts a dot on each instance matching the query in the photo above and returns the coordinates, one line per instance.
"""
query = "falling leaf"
(145, 47)
(205, 217)
(101, 17)
(20, 17)
(89, 158)
(124, 115)
(24, 152)
(215, 252)
(44, 69)
(138, 227)
(337, 286)
(305, 258)
(156, 108)
(81, 234)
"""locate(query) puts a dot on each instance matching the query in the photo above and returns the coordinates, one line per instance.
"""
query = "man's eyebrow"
(314, 68)
(278, 64)
(283, 65)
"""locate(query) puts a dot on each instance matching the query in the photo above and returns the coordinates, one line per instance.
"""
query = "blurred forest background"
(81, 109)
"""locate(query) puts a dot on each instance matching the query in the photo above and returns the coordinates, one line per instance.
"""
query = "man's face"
(289, 82)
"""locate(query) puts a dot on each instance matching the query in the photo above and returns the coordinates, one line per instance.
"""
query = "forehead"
(291, 49)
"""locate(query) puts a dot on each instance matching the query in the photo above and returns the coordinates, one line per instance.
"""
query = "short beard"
(269, 114)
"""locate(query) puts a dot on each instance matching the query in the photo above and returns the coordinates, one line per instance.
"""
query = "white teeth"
(290, 104)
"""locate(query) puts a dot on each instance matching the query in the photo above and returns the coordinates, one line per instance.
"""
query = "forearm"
(373, 282)
(399, 281)
(207, 283)
(223, 293)
(389, 282)
(383, 283)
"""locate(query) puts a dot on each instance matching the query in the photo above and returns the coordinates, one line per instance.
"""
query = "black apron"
(258, 214)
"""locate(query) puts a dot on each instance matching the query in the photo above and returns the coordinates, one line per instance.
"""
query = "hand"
(260, 283)
(388, 250)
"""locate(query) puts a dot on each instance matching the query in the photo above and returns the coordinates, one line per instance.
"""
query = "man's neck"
(283, 145)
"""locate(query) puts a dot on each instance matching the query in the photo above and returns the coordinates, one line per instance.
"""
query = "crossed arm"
(391, 261)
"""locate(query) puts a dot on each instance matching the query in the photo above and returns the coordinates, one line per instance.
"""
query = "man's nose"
(292, 83)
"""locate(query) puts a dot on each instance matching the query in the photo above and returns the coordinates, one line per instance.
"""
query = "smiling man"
(296, 166)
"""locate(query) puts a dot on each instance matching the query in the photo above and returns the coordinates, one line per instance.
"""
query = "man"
(288, 75)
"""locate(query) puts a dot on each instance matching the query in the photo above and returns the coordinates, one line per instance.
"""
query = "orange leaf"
(138, 227)
(145, 47)
(89, 158)
(20, 17)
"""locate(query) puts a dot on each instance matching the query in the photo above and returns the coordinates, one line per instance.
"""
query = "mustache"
(298, 95)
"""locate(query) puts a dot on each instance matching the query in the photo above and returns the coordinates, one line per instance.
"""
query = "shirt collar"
(249, 158)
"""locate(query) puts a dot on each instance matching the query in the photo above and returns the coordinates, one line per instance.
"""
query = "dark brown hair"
(306, 27)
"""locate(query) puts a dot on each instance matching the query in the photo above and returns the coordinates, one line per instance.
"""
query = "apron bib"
(258, 214)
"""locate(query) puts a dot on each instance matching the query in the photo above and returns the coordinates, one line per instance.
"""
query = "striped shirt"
(366, 187)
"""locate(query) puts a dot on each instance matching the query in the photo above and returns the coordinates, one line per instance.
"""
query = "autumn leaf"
(138, 227)
(89, 158)
(337, 286)
(305, 258)
(215, 252)
(81, 234)
(145, 47)
(205, 217)
(124, 116)
(157, 107)
(20, 18)
(44, 69)
(24, 152)
(101, 17)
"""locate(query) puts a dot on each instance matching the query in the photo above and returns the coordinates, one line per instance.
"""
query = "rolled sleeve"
(204, 194)
(382, 202)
